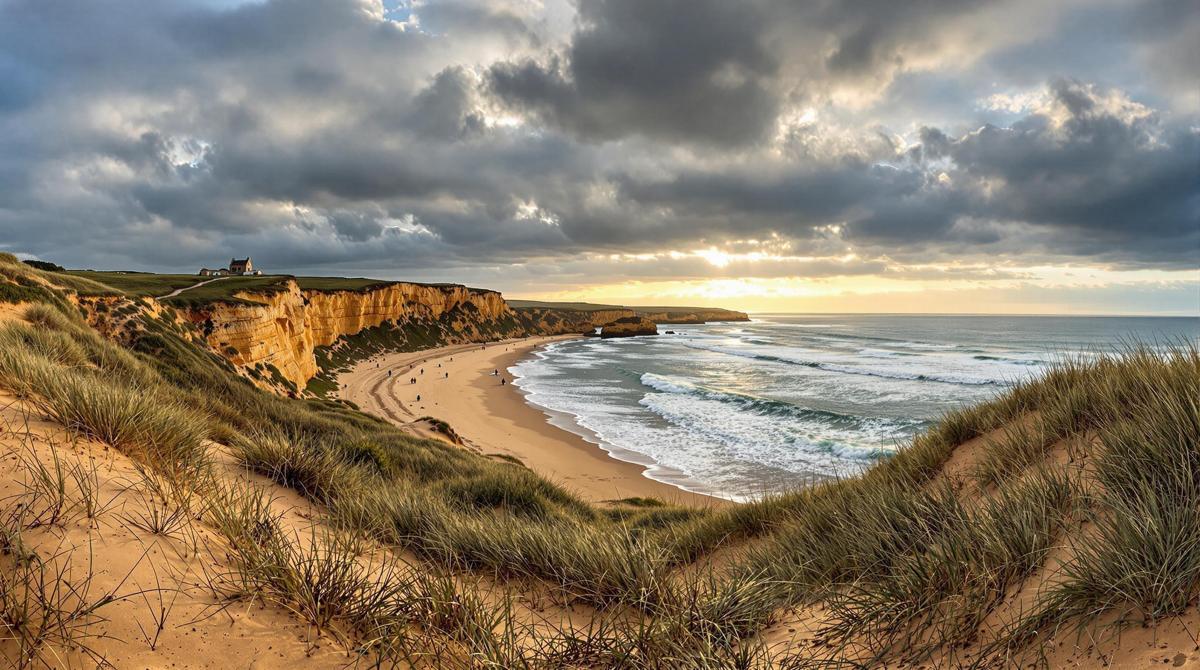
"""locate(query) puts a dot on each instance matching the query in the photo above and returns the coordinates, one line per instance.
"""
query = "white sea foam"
(763, 406)
(943, 368)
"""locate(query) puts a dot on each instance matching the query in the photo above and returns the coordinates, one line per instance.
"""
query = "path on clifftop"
(177, 291)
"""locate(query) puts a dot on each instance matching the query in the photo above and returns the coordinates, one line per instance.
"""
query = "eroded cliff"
(281, 330)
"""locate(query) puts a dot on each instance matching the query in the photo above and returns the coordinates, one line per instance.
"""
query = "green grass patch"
(138, 284)
(16, 293)
(224, 291)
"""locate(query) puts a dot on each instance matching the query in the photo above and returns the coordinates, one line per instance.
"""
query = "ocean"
(738, 410)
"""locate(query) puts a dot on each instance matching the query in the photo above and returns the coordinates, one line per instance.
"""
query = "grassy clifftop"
(148, 284)
(1068, 504)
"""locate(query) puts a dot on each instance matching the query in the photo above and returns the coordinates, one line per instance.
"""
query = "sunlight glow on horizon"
(1031, 290)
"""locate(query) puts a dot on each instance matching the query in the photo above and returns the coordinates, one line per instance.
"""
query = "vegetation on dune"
(16, 293)
(1096, 463)
(23, 282)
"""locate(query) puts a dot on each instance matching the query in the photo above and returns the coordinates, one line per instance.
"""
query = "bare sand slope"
(458, 387)
(160, 579)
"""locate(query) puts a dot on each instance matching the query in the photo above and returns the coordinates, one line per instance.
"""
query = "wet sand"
(458, 387)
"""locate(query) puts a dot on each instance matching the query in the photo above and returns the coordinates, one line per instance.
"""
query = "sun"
(715, 257)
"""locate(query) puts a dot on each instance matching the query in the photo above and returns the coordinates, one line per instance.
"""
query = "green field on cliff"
(153, 285)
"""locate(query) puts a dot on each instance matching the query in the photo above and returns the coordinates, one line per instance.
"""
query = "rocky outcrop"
(630, 326)
(553, 321)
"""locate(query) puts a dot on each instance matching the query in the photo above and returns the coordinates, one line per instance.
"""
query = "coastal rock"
(630, 326)
(555, 321)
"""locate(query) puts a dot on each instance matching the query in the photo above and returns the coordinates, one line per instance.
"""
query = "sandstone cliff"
(282, 329)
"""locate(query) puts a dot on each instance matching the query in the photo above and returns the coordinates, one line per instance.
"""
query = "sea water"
(743, 409)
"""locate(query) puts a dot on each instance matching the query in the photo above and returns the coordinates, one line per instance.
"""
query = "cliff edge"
(278, 332)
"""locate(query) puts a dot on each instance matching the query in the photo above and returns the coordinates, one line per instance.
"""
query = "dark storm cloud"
(1096, 184)
(781, 198)
(712, 71)
(676, 69)
(871, 33)
(318, 133)
(445, 109)
(1122, 183)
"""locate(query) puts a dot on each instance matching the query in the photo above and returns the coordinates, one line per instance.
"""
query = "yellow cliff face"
(283, 328)
(333, 314)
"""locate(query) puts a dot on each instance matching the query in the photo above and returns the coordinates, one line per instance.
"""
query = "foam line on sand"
(458, 387)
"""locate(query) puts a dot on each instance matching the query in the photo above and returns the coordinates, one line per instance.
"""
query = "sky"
(1012, 156)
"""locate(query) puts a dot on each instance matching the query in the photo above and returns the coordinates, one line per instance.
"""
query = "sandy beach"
(458, 387)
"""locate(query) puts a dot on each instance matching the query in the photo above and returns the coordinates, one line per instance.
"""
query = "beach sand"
(495, 418)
